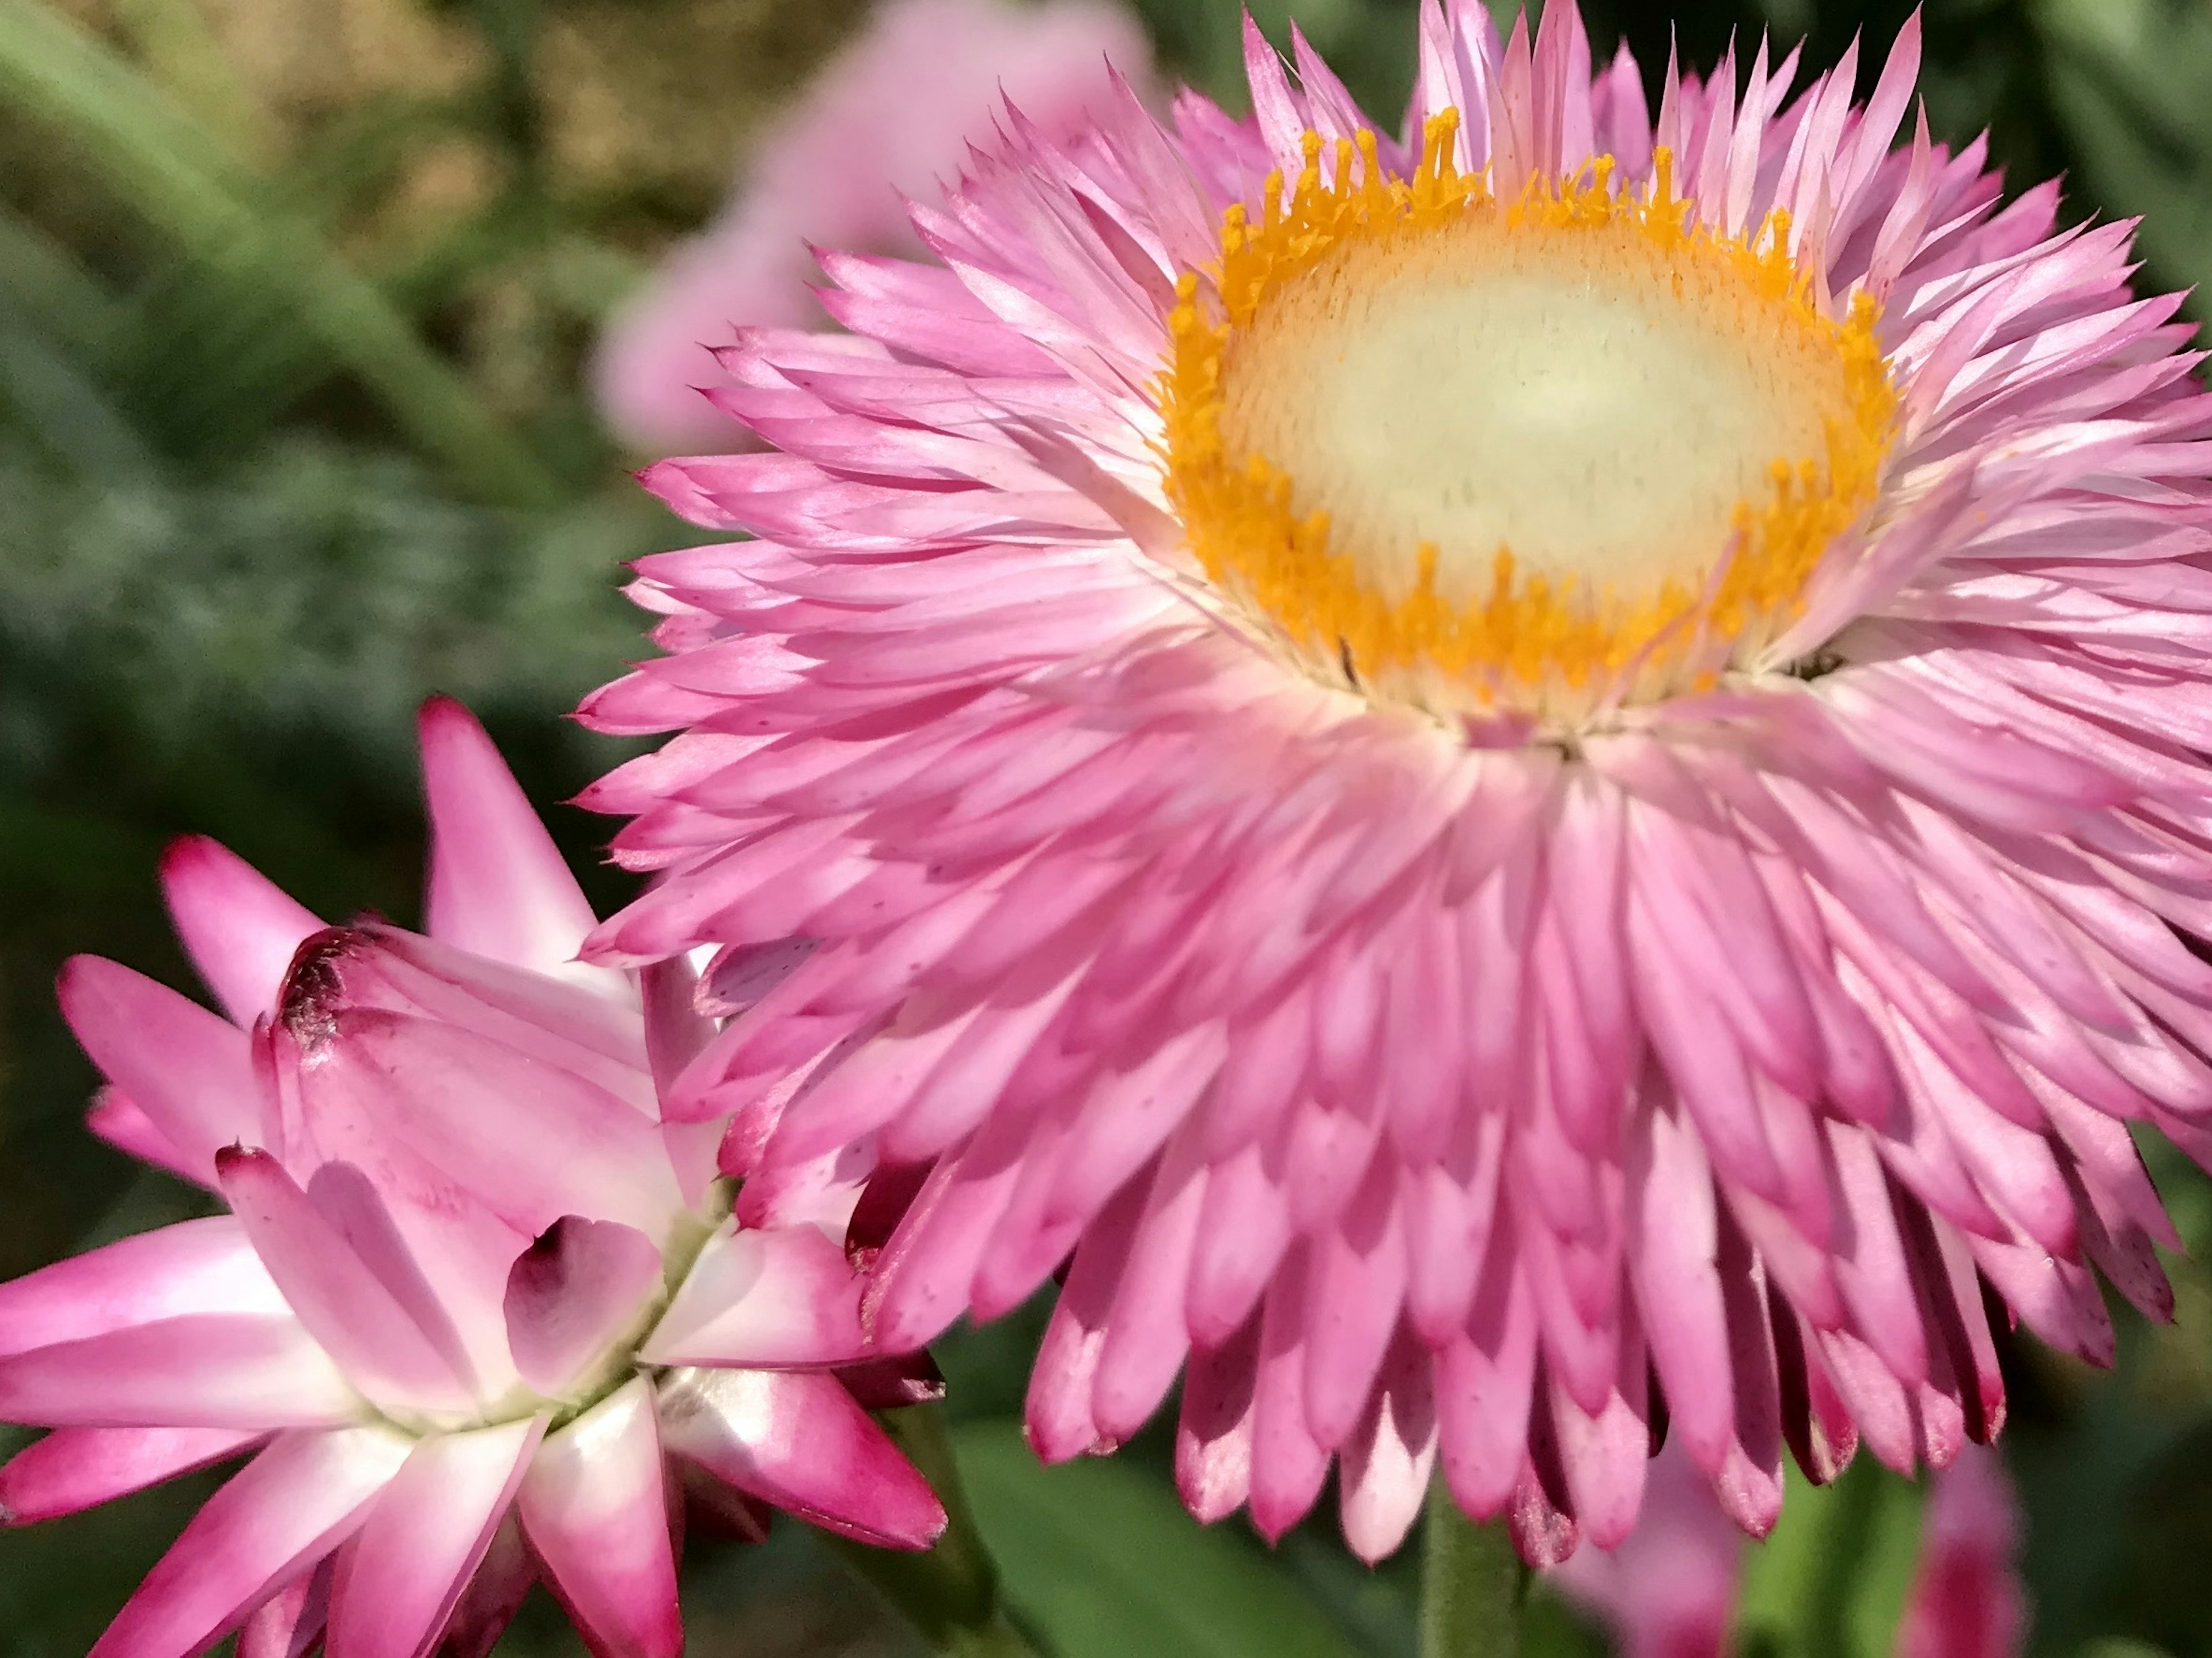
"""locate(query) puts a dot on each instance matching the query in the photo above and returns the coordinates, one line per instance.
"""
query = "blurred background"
(328, 332)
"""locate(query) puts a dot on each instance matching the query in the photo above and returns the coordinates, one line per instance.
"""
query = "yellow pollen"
(1543, 455)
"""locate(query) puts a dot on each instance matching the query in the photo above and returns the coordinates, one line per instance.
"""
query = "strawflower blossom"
(1670, 1590)
(1507, 769)
(889, 116)
(477, 1314)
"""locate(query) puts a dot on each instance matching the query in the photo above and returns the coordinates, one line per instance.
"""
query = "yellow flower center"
(1544, 456)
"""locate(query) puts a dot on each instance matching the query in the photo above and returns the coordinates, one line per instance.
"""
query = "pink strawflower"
(891, 116)
(1967, 1600)
(1483, 777)
(1670, 1590)
(476, 1311)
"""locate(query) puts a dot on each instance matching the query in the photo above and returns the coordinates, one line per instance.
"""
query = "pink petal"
(290, 1624)
(194, 1267)
(74, 1469)
(184, 1067)
(1214, 1437)
(498, 884)
(494, 1596)
(784, 1296)
(401, 1577)
(238, 926)
(289, 1508)
(533, 1141)
(573, 1293)
(1288, 1467)
(800, 1441)
(338, 1300)
(114, 1119)
(372, 965)
(1384, 1468)
(204, 1370)
(343, 1194)
(594, 1507)
(675, 1033)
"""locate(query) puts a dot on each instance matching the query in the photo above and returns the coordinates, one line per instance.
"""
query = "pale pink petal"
(350, 1314)
(290, 1507)
(399, 1579)
(1968, 1600)
(241, 1371)
(777, 1297)
(532, 1139)
(800, 1441)
(595, 1511)
(196, 1266)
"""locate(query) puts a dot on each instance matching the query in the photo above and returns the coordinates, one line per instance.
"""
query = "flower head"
(1507, 775)
(890, 115)
(475, 1309)
(1670, 1590)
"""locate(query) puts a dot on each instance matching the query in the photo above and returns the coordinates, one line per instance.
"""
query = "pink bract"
(1423, 1094)
(474, 1306)
(891, 116)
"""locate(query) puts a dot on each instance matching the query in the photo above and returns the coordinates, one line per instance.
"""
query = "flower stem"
(952, 1593)
(1473, 1583)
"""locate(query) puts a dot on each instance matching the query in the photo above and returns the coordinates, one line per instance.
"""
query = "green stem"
(1473, 1584)
(952, 1593)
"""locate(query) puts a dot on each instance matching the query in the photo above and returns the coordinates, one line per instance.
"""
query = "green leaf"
(1832, 1580)
(1103, 1561)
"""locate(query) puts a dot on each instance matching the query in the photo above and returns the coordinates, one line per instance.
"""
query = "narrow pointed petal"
(573, 1293)
(675, 1033)
(800, 1441)
(399, 1580)
(195, 1266)
(349, 1313)
(290, 1507)
(187, 1069)
(114, 1118)
(204, 1370)
(498, 884)
(594, 1507)
(75, 1468)
(238, 926)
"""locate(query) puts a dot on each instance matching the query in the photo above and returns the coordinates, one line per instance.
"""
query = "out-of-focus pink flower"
(1669, 1591)
(892, 115)
(476, 1310)
(1968, 1600)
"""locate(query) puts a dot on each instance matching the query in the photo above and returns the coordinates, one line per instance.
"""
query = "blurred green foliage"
(291, 435)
